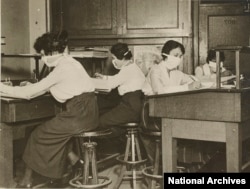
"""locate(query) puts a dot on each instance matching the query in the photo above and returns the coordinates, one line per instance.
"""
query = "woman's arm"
(33, 90)
(156, 83)
(159, 86)
(24, 92)
(198, 72)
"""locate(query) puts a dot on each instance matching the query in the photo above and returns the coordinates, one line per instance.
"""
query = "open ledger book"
(211, 83)
(101, 85)
(227, 78)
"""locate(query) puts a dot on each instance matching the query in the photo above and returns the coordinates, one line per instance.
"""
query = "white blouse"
(68, 79)
(159, 81)
(129, 79)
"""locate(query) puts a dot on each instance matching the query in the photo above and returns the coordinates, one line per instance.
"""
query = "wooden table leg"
(169, 147)
(6, 157)
(233, 147)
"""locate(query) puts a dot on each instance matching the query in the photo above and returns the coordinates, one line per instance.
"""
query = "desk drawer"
(27, 110)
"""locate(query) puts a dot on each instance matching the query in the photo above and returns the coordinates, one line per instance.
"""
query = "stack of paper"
(227, 78)
(89, 52)
(101, 85)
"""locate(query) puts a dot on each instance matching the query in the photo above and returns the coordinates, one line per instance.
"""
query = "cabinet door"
(84, 17)
(156, 18)
(222, 25)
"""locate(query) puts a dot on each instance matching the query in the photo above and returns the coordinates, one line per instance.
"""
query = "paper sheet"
(101, 85)
(223, 79)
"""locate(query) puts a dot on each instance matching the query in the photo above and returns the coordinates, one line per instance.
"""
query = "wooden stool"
(153, 173)
(132, 158)
(90, 179)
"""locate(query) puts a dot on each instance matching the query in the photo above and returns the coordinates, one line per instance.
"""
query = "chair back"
(148, 122)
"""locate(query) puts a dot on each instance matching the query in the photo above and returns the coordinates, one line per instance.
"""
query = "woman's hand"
(24, 83)
(99, 76)
(194, 85)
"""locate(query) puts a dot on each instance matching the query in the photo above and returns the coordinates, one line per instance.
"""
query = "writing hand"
(194, 85)
(24, 83)
(99, 76)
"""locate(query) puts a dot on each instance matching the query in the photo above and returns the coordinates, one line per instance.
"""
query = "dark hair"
(170, 45)
(121, 50)
(211, 54)
(50, 42)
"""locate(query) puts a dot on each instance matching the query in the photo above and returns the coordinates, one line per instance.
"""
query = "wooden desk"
(219, 115)
(16, 116)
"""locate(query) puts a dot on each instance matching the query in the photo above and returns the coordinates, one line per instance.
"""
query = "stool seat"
(96, 133)
(151, 133)
(130, 125)
(87, 149)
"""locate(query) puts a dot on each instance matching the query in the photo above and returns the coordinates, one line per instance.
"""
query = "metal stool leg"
(89, 178)
(133, 159)
(86, 164)
(138, 148)
(152, 172)
(156, 164)
(130, 162)
(94, 167)
(123, 168)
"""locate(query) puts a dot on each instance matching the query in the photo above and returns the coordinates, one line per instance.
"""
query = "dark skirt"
(47, 148)
(121, 110)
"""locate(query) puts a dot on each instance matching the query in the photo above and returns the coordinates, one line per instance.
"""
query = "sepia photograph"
(124, 94)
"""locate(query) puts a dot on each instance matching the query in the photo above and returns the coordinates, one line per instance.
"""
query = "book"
(100, 49)
(227, 78)
(88, 54)
(101, 85)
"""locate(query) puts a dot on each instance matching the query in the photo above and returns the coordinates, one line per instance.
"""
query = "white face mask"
(116, 66)
(172, 62)
(51, 61)
(213, 65)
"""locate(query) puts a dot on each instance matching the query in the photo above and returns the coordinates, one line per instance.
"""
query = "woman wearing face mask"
(125, 106)
(165, 76)
(49, 146)
(207, 71)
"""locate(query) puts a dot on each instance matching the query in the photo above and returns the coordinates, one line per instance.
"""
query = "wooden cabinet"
(156, 18)
(83, 17)
(122, 18)
(223, 24)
